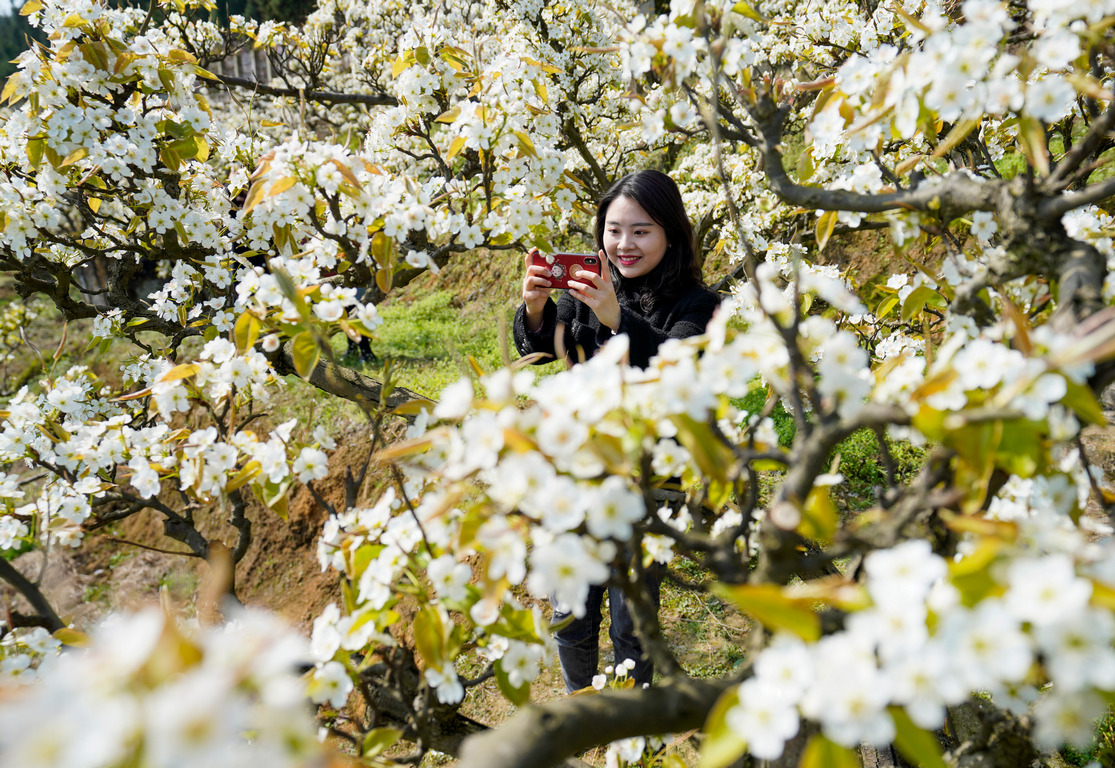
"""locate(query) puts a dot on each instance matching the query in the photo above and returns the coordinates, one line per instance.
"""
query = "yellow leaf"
(722, 746)
(182, 57)
(448, 116)
(745, 9)
(9, 90)
(271, 123)
(413, 407)
(73, 20)
(404, 450)
(525, 144)
(78, 154)
(401, 64)
(202, 149)
(282, 185)
(819, 517)
(1032, 136)
(383, 279)
(958, 133)
(455, 148)
(178, 372)
(918, 746)
(246, 331)
(306, 353)
(249, 471)
(907, 165)
(94, 204)
(350, 177)
(767, 604)
(255, 194)
(822, 753)
(31, 6)
(72, 637)
(826, 225)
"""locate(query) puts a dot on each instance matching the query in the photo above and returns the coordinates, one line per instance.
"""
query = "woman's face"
(635, 244)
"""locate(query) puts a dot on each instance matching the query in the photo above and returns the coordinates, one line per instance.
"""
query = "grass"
(864, 470)
(1102, 752)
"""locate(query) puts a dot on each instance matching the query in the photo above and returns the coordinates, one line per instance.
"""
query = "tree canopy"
(394, 139)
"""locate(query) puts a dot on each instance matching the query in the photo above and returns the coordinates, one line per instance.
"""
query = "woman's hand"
(536, 291)
(598, 293)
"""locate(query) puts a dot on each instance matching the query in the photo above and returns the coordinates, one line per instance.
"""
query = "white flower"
(311, 464)
(455, 400)
(613, 510)
(1046, 590)
(449, 578)
(522, 663)
(330, 682)
(764, 717)
(447, 684)
(144, 478)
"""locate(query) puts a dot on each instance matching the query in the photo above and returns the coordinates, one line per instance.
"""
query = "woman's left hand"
(598, 293)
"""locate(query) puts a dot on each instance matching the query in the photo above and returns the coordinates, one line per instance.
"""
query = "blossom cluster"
(1037, 638)
(150, 690)
(547, 495)
(96, 443)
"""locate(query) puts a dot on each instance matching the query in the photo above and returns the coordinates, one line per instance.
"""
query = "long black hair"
(659, 196)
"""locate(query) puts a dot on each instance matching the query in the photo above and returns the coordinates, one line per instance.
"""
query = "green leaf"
(767, 604)
(916, 302)
(712, 456)
(722, 746)
(1082, 401)
(379, 739)
(291, 294)
(306, 353)
(917, 745)
(805, 165)
(429, 636)
(516, 695)
(972, 575)
(886, 306)
(822, 753)
(1032, 137)
(745, 9)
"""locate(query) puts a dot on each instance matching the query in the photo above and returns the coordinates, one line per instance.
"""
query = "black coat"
(686, 315)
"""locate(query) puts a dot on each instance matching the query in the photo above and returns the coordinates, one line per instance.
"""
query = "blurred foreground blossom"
(148, 690)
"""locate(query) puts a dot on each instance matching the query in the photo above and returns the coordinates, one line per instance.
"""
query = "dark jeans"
(579, 641)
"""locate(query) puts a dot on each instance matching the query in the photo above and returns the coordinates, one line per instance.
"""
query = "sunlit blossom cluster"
(149, 690)
(96, 443)
(1035, 637)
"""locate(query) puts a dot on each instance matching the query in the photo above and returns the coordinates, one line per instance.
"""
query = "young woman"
(652, 291)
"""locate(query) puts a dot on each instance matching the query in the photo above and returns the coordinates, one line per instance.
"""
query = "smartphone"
(561, 266)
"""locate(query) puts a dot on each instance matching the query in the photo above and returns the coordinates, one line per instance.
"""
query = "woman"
(651, 291)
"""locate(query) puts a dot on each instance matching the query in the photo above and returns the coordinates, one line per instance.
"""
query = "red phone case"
(563, 265)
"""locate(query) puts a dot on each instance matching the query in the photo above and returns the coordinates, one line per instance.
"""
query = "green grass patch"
(1102, 752)
(429, 341)
(864, 469)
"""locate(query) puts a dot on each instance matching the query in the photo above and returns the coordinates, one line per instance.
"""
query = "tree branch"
(33, 595)
(326, 97)
(539, 736)
(345, 382)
